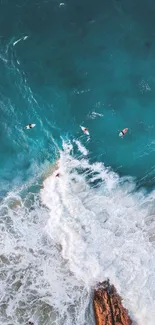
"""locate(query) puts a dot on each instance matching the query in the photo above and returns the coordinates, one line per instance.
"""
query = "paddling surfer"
(121, 134)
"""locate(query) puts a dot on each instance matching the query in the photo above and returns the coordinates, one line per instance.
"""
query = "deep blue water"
(78, 58)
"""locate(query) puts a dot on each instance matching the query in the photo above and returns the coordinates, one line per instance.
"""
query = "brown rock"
(108, 307)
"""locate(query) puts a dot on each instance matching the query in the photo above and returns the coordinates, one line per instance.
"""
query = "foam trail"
(93, 115)
(81, 148)
(20, 39)
(103, 231)
(16, 42)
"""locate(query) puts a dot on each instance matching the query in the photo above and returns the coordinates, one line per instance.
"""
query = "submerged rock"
(108, 307)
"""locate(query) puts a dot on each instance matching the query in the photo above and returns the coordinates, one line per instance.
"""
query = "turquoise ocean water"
(78, 58)
(89, 63)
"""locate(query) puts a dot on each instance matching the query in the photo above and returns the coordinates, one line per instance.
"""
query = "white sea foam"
(103, 232)
(20, 39)
(84, 226)
(93, 115)
(144, 86)
(81, 148)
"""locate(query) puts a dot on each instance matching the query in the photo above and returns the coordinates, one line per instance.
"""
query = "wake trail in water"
(84, 226)
(20, 39)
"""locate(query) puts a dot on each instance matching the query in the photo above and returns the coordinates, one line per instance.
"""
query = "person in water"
(85, 130)
(30, 126)
(121, 134)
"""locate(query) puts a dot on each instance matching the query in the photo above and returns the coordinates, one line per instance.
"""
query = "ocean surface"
(63, 66)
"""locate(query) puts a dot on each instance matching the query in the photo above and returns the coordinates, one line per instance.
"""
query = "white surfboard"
(85, 130)
(30, 126)
(121, 134)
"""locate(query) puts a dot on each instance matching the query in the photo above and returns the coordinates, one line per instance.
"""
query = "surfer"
(121, 134)
(30, 126)
(85, 130)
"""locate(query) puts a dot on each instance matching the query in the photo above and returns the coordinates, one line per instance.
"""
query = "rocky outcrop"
(108, 307)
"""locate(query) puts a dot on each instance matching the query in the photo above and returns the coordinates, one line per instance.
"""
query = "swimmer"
(57, 175)
(121, 134)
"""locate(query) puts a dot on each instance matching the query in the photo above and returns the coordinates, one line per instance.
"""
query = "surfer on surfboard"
(85, 130)
(121, 134)
(30, 126)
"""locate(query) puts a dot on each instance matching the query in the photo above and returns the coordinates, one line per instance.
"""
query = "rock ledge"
(108, 307)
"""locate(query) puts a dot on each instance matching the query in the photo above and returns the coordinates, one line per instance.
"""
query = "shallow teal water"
(78, 58)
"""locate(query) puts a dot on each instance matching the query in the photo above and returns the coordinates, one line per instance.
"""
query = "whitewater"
(82, 227)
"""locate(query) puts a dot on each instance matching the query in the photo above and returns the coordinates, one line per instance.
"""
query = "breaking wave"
(85, 225)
